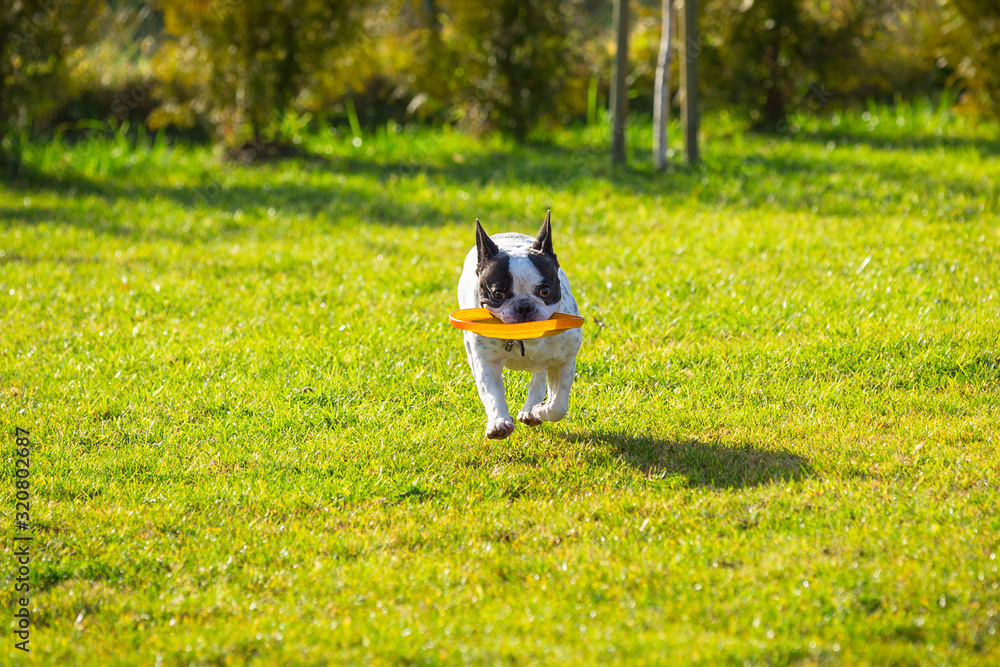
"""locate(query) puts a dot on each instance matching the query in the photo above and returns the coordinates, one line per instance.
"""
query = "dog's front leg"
(536, 394)
(560, 381)
(489, 381)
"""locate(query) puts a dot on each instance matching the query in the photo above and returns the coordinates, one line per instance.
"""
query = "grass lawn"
(257, 440)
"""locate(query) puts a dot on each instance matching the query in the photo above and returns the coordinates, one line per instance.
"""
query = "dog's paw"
(548, 412)
(528, 418)
(499, 428)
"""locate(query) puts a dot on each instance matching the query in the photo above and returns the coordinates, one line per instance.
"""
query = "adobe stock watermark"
(129, 100)
(22, 539)
(27, 28)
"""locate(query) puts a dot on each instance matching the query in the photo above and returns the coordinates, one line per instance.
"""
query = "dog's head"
(518, 284)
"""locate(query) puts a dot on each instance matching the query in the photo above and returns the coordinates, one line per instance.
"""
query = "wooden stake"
(661, 94)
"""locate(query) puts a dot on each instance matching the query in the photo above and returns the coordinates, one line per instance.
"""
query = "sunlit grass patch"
(257, 439)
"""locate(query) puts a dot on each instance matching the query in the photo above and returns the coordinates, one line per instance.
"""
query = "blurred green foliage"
(770, 55)
(251, 69)
(35, 36)
(247, 62)
(509, 64)
(773, 57)
(975, 45)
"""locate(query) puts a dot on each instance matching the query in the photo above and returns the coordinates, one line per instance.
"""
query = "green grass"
(257, 439)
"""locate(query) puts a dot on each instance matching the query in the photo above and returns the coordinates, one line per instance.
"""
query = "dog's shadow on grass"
(701, 463)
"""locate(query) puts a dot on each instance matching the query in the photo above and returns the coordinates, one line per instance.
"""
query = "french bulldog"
(518, 279)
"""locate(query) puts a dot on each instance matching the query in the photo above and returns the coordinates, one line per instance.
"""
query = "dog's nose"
(524, 308)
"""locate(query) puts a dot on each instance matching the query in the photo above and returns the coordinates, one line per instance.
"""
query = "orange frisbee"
(480, 321)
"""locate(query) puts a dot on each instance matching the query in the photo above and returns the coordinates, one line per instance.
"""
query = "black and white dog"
(518, 279)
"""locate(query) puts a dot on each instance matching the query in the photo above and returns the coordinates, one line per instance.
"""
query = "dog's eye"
(544, 292)
(498, 296)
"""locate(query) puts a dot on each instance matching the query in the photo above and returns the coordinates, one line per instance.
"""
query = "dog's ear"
(485, 247)
(543, 242)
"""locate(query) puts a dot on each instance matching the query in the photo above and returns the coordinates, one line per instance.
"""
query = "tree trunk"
(661, 95)
(4, 37)
(287, 72)
(431, 16)
(619, 85)
(775, 113)
(689, 52)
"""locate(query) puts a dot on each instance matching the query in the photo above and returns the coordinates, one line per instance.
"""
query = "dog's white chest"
(539, 353)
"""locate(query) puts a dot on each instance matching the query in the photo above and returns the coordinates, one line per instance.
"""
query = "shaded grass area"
(257, 441)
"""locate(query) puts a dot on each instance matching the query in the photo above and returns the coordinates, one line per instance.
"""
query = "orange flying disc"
(480, 321)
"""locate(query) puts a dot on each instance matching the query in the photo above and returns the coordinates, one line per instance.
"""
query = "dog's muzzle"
(522, 310)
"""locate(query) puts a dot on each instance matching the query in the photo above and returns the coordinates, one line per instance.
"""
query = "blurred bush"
(243, 65)
(506, 65)
(111, 79)
(972, 41)
(769, 57)
(262, 71)
(509, 64)
(774, 56)
(35, 38)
